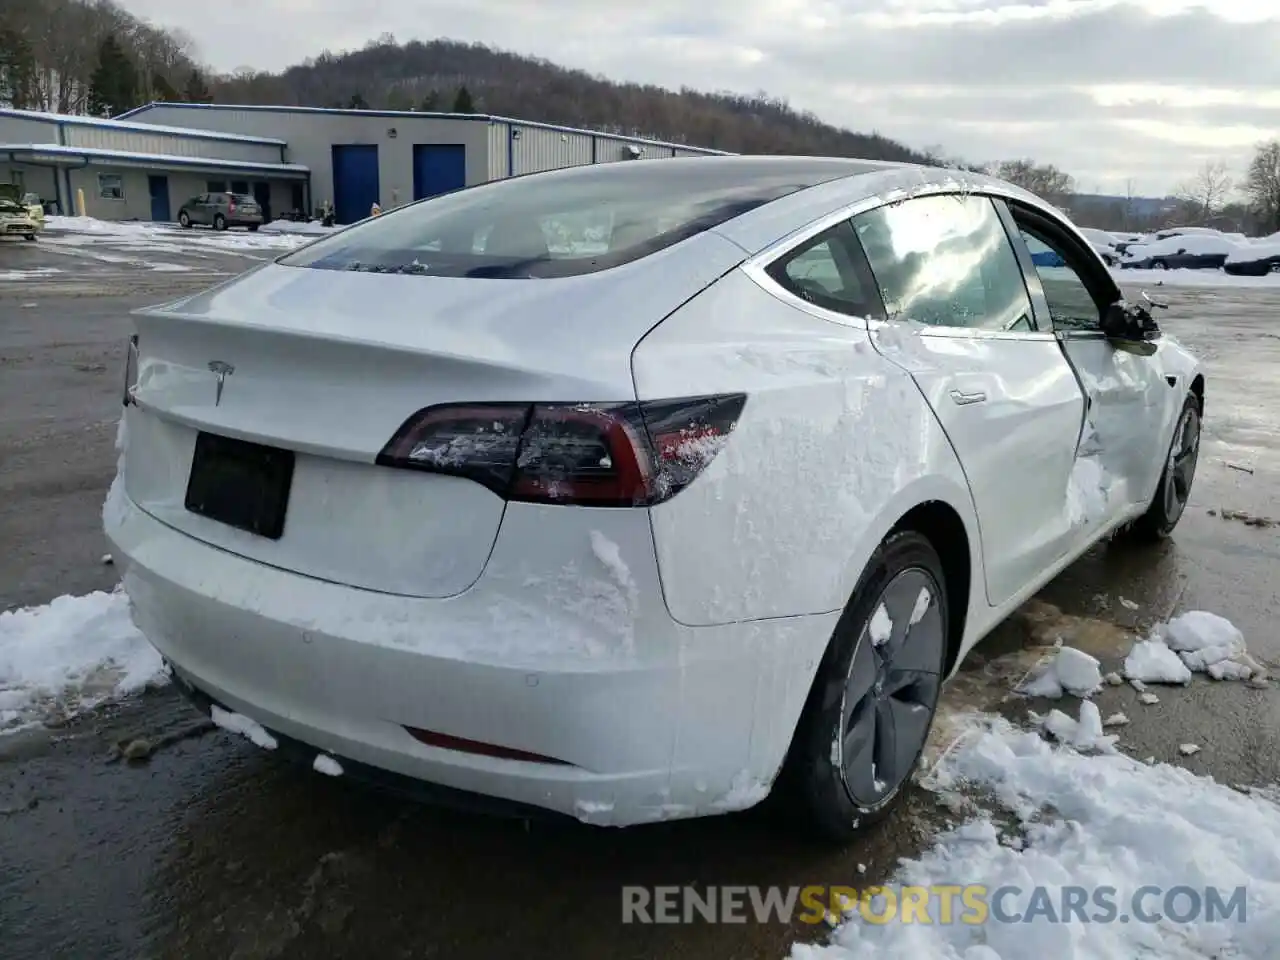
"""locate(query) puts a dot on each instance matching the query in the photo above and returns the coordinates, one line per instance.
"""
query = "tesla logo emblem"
(223, 370)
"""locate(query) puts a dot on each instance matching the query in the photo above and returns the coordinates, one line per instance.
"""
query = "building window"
(216, 186)
(240, 186)
(110, 186)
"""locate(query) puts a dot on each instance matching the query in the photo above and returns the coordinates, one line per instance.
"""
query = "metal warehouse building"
(144, 164)
(137, 171)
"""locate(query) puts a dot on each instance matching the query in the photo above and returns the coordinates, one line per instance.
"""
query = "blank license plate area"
(244, 485)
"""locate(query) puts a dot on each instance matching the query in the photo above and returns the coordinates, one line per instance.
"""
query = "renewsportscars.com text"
(941, 904)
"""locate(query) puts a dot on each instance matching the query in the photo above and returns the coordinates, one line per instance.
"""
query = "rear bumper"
(304, 754)
(651, 720)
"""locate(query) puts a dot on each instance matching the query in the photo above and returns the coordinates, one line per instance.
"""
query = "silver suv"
(221, 210)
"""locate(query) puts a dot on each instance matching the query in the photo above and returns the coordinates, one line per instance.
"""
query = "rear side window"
(830, 272)
(946, 261)
(562, 224)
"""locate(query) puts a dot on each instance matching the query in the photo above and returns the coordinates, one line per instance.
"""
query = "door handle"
(964, 399)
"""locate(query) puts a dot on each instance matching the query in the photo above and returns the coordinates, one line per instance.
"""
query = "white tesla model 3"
(638, 491)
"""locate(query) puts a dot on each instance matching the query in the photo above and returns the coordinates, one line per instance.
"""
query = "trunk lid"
(329, 364)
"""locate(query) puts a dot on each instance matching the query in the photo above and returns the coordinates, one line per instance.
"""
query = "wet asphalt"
(210, 848)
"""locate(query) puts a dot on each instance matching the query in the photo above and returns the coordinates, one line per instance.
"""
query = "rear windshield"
(242, 198)
(565, 223)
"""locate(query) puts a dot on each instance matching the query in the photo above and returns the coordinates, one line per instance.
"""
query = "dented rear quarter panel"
(834, 446)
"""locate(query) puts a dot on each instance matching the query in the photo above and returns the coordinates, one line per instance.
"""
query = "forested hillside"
(431, 75)
(90, 56)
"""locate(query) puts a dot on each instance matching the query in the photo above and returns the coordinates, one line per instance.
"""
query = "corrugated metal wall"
(609, 149)
(498, 159)
(105, 138)
(536, 149)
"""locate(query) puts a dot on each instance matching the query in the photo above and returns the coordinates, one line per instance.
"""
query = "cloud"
(1109, 90)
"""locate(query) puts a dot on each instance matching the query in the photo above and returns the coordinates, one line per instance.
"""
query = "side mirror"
(1131, 327)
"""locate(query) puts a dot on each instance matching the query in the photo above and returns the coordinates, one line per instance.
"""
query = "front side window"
(827, 273)
(946, 261)
(1071, 305)
(564, 223)
(110, 186)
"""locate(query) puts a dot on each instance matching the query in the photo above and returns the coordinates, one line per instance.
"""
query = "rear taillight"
(231, 206)
(605, 455)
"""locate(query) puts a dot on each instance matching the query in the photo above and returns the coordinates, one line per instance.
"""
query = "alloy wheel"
(892, 689)
(1184, 453)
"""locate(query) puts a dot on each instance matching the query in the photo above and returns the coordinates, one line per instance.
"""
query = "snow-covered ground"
(1066, 814)
(1061, 823)
(145, 237)
(69, 656)
(1193, 278)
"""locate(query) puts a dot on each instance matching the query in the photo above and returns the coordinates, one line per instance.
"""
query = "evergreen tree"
(17, 71)
(163, 90)
(196, 91)
(463, 103)
(431, 102)
(113, 86)
(357, 102)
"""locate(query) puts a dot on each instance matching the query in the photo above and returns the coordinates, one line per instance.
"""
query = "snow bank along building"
(146, 163)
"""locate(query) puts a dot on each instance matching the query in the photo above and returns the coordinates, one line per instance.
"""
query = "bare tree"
(1206, 193)
(1044, 180)
(1262, 184)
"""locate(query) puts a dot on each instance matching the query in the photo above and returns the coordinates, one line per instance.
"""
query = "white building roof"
(57, 153)
(424, 115)
(126, 126)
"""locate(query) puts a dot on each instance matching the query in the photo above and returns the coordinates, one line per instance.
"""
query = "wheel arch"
(941, 524)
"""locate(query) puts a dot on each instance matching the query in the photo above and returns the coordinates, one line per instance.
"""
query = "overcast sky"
(1144, 89)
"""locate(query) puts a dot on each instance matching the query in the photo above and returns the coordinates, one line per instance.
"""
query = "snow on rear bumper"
(562, 652)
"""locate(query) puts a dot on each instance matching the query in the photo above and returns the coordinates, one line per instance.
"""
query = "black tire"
(253, 228)
(185, 220)
(1159, 265)
(815, 782)
(1176, 478)
(219, 222)
(31, 237)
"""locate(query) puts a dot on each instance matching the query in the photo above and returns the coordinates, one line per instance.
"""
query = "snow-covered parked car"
(1255, 259)
(16, 219)
(1103, 243)
(1180, 252)
(645, 532)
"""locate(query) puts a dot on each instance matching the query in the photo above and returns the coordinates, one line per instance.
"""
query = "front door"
(159, 188)
(262, 194)
(1127, 396)
(961, 323)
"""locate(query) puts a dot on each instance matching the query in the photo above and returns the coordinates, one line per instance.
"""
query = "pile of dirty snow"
(1115, 825)
(69, 656)
(1195, 642)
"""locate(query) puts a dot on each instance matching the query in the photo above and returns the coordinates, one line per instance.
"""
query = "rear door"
(961, 322)
(1127, 396)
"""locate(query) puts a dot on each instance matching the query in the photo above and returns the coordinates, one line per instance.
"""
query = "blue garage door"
(438, 168)
(355, 180)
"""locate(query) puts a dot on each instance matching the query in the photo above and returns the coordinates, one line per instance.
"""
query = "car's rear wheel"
(253, 228)
(872, 704)
(31, 237)
(219, 222)
(1179, 473)
(1159, 265)
(185, 220)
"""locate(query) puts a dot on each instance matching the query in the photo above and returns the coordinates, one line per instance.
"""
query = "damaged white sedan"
(640, 490)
